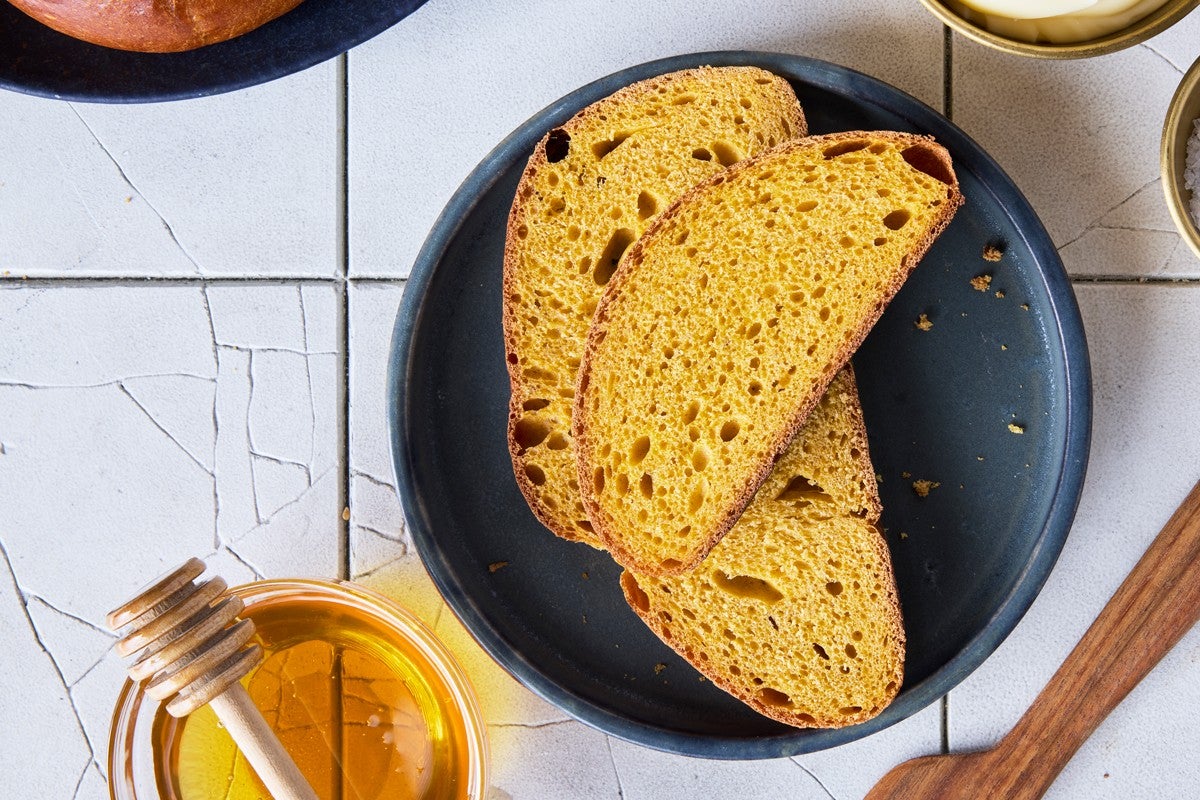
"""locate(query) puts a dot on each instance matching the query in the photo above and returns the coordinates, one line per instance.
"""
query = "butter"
(1055, 21)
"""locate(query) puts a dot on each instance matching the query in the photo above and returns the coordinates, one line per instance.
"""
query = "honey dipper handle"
(1155, 606)
(274, 767)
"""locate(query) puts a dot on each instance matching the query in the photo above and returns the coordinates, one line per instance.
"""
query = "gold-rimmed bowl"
(1151, 25)
(1181, 114)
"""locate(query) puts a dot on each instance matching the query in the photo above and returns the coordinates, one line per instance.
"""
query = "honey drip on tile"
(357, 712)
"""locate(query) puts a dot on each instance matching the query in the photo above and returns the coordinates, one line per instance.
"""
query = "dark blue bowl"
(969, 558)
(38, 60)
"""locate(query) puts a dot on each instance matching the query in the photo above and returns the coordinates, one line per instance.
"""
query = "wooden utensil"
(1151, 611)
(192, 650)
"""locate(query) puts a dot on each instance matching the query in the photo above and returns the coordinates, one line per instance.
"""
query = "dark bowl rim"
(191, 91)
(1066, 320)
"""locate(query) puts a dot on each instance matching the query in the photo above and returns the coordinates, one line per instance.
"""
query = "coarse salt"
(1191, 171)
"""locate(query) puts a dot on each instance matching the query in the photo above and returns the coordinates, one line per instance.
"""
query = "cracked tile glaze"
(184, 188)
(1098, 122)
(128, 431)
(377, 532)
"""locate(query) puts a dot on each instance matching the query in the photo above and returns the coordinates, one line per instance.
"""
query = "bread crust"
(858, 441)
(149, 26)
(584, 448)
(517, 214)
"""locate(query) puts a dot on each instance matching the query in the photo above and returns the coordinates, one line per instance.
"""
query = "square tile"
(245, 183)
(1081, 140)
(429, 98)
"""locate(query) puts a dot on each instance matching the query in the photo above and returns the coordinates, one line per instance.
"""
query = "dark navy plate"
(38, 60)
(969, 558)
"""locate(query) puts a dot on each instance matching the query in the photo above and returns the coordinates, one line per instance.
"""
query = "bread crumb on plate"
(1015, 428)
(922, 487)
(496, 566)
(924, 323)
(980, 283)
(992, 253)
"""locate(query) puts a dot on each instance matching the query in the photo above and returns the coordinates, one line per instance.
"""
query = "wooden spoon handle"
(1155, 606)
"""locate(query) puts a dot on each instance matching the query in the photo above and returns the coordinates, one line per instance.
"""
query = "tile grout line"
(344, 288)
(948, 111)
(343, 398)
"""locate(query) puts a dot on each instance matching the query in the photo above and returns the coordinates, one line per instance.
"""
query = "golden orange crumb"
(906, 475)
(1025, 306)
(981, 282)
(1003, 347)
(992, 253)
(903, 535)
(659, 667)
(495, 566)
(1000, 294)
(586, 577)
(1015, 428)
(922, 487)
(878, 478)
(923, 323)
(346, 514)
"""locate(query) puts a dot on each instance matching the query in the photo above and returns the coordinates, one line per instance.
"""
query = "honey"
(365, 713)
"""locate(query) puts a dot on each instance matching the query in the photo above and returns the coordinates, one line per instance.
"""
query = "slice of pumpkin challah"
(591, 188)
(727, 320)
(795, 611)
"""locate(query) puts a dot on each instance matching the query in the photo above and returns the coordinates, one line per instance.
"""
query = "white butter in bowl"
(1055, 21)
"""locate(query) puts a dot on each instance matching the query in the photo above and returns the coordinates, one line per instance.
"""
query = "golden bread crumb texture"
(795, 611)
(590, 190)
(728, 320)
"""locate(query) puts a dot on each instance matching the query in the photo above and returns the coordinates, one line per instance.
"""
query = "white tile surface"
(1144, 460)
(238, 184)
(431, 97)
(1081, 139)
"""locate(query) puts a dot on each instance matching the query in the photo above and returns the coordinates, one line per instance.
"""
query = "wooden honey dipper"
(191, 649)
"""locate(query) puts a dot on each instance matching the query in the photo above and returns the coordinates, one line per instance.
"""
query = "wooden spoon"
(1151, 611)
(192, 650)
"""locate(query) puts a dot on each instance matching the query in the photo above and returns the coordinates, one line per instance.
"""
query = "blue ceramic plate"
(37, 60)
(969, 558)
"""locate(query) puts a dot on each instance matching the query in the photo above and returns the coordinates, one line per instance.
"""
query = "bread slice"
(795, 611)
(727, 320)
(590, 189)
